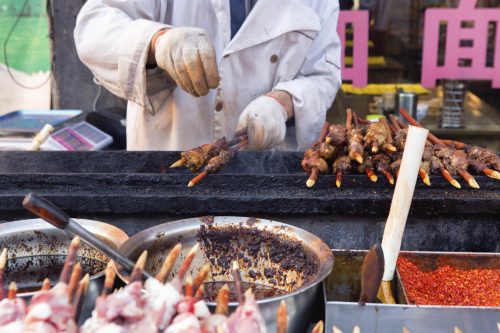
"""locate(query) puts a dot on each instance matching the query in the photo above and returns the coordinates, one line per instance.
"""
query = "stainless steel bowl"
(300, 300)
(37, 250)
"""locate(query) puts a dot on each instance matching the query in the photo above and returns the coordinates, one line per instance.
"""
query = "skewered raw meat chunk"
(378, 136)
(337, 135)
(194, 158)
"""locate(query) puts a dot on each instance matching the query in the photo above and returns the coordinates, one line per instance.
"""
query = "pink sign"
(466, 45)
(358, 20)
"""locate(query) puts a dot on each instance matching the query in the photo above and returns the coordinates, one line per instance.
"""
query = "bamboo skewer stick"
(12, 290)
(187, 261)
(237, 281)
(82, 290)
(3, 264)
(136, 274)
(69, 263)
(371, 174)
(109, 279)
(468, 178)
(318, 328)
(313, 177)
(188, 286)
(491, 173)
(447, 175)
(73, 282)
(201, 277)
(281, 318)
(168, 263)
(223, 300)
(46, 285)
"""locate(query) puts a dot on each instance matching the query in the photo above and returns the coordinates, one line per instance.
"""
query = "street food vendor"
(194, 71)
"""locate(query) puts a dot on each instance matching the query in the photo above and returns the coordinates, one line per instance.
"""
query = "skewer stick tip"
(338, 183)
(75, 242)
(359, 159)
(492, 174)
(318, 328)
(141, 261)
(458, 330)
(46, 284)
(356, 329)
(336, 329)
(472, 183)
(374, 150)
(455, 184)
(12, 290)
(178, 164)
(190, 184)
(310, 183)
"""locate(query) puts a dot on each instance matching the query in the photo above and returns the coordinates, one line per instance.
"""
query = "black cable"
(6, 42)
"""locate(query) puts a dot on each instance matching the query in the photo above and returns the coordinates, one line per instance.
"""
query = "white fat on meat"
(210, 324)
(247, 318)
(161, 300)
(11, 311)
(50, 309)
(185, 323)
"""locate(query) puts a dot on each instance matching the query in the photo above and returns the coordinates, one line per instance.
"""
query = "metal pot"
(300, 298)
(37, 251)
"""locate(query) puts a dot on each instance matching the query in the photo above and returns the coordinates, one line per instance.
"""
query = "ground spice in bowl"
(447, 285)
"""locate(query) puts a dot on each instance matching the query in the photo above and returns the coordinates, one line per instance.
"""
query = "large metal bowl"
(300, 300)
(37, 251)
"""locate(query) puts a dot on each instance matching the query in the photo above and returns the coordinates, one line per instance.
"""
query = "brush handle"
(402, 197)
(55, 216)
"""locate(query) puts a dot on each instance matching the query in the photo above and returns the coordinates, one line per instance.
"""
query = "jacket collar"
(268, 20)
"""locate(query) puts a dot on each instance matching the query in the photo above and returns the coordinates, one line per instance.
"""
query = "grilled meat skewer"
(355, 138)
(218, 162)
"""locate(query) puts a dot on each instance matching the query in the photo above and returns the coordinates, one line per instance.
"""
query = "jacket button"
(274, 58)
(219, 106)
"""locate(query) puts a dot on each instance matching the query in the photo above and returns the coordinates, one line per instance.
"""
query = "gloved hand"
(188, 56)
(264, 121)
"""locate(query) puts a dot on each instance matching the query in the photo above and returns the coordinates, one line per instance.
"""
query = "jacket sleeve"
(317, 84)
(112, 39)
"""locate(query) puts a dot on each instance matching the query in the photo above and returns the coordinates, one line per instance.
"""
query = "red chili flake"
(450, 286)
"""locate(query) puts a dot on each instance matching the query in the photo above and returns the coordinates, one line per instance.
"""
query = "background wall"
(73, 85)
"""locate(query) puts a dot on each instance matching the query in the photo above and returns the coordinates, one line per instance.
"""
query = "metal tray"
(32, 121)
(342, 290)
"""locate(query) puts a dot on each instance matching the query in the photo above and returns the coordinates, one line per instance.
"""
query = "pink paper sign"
(359, 20)
(466, 46)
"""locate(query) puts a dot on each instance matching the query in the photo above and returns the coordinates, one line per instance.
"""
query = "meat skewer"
(313, 163)
(194, 158)
(223, 300)
(454, 161)
(381, 163)
(355, 138)
(218, 162)
(400, 134)
(379, 136)
(367, 167)
(341, 166)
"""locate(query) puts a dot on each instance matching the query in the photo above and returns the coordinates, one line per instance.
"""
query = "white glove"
(188, 56)
(264, 120)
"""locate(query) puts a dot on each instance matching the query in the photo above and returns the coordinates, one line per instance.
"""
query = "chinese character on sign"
(466, 47)
(358, 19)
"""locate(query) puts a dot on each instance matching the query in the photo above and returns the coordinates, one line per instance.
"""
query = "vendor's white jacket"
(289, 45)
